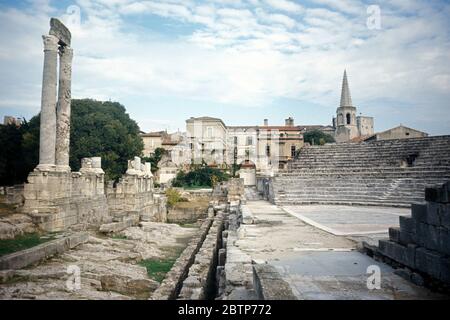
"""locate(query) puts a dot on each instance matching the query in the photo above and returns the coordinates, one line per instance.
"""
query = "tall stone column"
(48, 105)
(63, 109)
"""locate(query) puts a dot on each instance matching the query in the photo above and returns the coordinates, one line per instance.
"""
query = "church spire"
(346, 99)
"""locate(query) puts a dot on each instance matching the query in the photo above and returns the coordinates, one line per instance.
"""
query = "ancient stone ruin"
(422, 243)
(236, 245)
(387, 173)
(57, 198)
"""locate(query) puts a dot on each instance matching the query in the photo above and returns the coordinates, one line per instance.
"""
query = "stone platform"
(316, 263)
(349, 220)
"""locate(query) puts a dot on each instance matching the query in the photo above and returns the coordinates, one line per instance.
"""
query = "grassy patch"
(22, 242)
(157, 268)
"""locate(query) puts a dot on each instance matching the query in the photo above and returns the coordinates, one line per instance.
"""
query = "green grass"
(119, 237)
(157, 268)
(22, 242)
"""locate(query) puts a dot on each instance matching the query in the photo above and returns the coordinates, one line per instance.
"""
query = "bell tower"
(346, 127)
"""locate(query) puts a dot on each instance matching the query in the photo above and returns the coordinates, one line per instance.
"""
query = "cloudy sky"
(240, 60)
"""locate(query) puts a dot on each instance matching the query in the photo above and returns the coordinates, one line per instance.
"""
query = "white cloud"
(243, 53)
(285, 5)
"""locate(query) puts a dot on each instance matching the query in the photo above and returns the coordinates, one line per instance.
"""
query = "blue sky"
(240, 60)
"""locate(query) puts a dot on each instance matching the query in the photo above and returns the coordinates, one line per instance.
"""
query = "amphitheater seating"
(390, 172)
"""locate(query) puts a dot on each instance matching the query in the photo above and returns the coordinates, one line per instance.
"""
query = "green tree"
(155, 158)
(98, 128)
(317, 137)
(199, 176)
(19, 152)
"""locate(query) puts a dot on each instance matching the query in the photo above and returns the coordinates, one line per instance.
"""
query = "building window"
(348, 118)
(292, 151)
(209, 132)
(268, 150)
(249, 141)
(235, 140)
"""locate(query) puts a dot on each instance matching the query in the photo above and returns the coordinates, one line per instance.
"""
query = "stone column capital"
(51, 43)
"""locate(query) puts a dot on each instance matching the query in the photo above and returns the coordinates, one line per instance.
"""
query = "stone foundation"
(60, 200)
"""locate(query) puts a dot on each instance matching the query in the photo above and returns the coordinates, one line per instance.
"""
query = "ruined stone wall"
(134, 195)
(200, 281)
(59, 200)
(422, 243)
(173, 282)
(231, 190)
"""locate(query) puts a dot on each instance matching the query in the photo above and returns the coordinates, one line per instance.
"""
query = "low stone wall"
(172, 283)
(24, 258)
(422, 243)
(236, 281)
(195, 194)
(186, 215)
(200, 282)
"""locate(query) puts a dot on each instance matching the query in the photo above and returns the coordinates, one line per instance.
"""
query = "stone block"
(444, 241)
(397, 252)
(407, 238)
(222, 257)
(394, 234)
(419, 212)
(269, 285)
(433, 264)
(445, 216)
(441, 194)
(428, 236)
(407, 224)
(23, 258)
(434, 213)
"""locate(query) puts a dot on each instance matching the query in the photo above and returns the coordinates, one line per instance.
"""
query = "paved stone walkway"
(317, 263)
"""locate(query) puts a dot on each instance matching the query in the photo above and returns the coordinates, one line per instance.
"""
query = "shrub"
(173, 197)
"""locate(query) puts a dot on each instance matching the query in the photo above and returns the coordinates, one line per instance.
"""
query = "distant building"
(160, 139)
(348, 126)
(399, 132)
(12, 120)
(207, 139)
(266, 148)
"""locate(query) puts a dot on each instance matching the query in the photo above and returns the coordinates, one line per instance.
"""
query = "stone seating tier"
(375, 173)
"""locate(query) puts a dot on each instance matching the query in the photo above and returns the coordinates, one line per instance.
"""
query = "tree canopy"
(317, 137)
(155, 158)
(20, 152)
(201, 176)
(98, 128)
